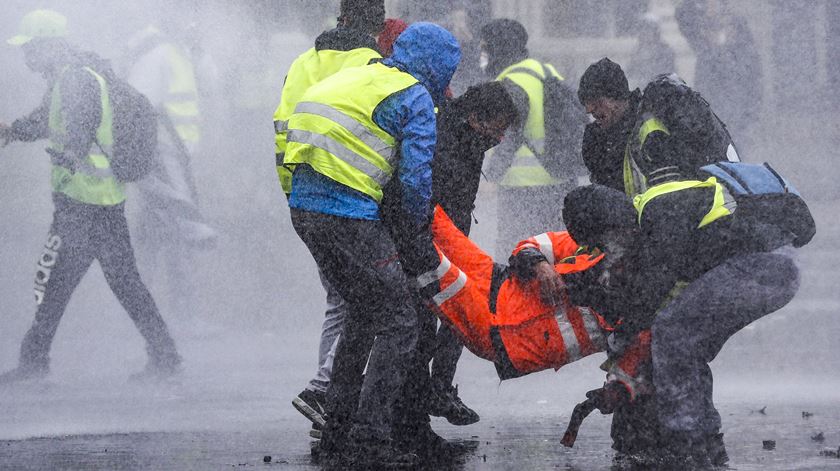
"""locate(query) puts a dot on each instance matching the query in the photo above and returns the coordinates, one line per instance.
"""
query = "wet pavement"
(204, 423)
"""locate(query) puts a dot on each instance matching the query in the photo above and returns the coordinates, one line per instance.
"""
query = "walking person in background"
(89, 223)
(539, 159)
(170, 226)
(728, 71)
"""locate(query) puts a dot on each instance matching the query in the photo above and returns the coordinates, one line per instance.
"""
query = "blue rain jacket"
(430, 54)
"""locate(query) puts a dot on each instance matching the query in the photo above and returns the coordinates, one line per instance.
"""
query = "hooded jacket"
(430, 54)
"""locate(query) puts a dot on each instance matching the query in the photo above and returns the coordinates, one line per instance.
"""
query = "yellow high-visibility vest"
(92, 182)
(308, 69)
(719, 202)
(526, 169)
(635, 181)
(332, 128)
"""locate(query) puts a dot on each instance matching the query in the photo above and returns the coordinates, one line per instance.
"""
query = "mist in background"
(250, 335)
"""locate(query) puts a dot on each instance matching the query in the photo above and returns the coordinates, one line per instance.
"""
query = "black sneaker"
(444, 402)
(24, 373)
(311, 405)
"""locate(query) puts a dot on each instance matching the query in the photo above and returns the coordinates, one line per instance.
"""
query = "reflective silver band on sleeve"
(570, 340)
(280, 126)
(546, 247)
(452, 289)
(436, 274)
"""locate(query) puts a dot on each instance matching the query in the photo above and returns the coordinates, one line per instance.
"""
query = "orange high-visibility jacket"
(535, 336)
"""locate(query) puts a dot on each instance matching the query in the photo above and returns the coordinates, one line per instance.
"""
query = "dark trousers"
(360, 260)
(689, 332)
(80, 234)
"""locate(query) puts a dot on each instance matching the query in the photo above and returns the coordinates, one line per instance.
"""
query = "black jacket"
(603, 149)
(456, 168)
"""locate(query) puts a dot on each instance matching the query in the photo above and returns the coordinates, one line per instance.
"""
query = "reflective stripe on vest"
(635, 181)
(333, 131)
(526, 169)
(92, 182)
(719, 205)
(308, 69)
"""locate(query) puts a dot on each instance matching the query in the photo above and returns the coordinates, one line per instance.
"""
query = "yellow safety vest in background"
(635, 181)
(526, 169)
(308, 69)
(332, 128)
(92, 182)
(181, 102)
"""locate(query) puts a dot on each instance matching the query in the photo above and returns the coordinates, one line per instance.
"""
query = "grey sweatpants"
(331, 329)
(689, 332)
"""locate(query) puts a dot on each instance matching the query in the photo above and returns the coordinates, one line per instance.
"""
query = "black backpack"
(770, 212)
(565, 120)
(701, 136)
(135, 149)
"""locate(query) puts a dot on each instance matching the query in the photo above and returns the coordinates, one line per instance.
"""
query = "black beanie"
(603, 79)
(590, 211)
(506, 42)
(365, 15)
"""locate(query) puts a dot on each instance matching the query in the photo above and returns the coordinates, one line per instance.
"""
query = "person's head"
(392, 30)
(601, 217)
(604, 92)
(363, 15)
(429, 53)
(489, 110)
(42, 37)
(504, 42)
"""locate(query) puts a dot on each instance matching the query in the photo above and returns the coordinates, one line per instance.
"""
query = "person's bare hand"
(552, 288)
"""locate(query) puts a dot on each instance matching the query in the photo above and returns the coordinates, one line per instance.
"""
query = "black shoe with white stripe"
(311, 405)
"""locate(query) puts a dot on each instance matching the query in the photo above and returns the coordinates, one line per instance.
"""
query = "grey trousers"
(333, 322)
(360, 260)
(689, 332)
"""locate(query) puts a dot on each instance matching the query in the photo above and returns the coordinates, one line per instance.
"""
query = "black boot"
(717, 450)
(444, 402)
(365, 451)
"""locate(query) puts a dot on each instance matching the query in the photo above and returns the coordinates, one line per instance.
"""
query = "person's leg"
(360, 261)
(66, 258)
(445, 401)
(333, 321)
(690, 331)
(311, 402)
(116, 257)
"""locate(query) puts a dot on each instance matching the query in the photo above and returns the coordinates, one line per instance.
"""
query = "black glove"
(609, 397)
